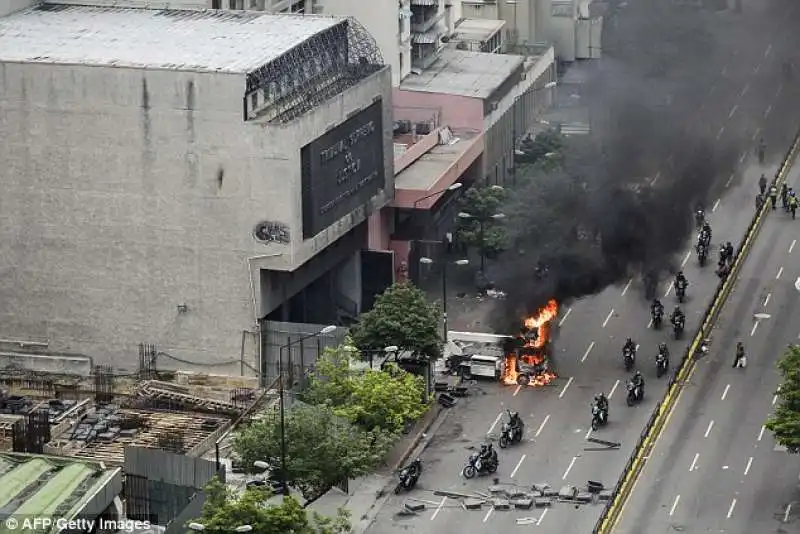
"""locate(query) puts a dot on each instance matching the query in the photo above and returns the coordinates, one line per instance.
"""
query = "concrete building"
(175, 178)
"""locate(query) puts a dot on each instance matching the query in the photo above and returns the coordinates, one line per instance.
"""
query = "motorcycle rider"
(638, 381)
(699, 216)
(656, 308)
(793, 206)
(785, 196)
(601, 401)
(515, 422)
(773, 196)
(629, 346)
(729, 251)
(762, 184)
(663, 349)
(676, 316)
(486, 453)
(739, 360)
(680, 281)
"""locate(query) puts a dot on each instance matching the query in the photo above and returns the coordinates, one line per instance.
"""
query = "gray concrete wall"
(127, 193)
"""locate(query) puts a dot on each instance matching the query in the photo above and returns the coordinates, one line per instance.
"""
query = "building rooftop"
(463, 73)
(477, 29)
(428, 169)
(41, 486)
(214, 41)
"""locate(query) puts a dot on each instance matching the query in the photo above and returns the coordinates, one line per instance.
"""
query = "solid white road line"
(786, 513)
(561, 395)
(780, 272)
(686, 258)
(541, 427)
(497, 420)
(725, 393)
(627, 286)
(753, 331)
(608, 317)
(439, 508)
(708, 430)
(730, 510)
(488, 514)
(694, 462)
(766, 300)
(586, 354)
(716, 205)
(747, 467)
(516, 391)
(566, 314)
(791, 247)
(669, 289)
(613, 389)
(674, 504)
(519, 464)
(571, 463)
(761, 432)
(544, 513)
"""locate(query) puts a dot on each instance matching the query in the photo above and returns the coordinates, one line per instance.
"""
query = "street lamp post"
(481, 222)
(451, 187)
(428, 261)
(284, 475)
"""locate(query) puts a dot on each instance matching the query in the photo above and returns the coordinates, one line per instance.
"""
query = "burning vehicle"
(527, 356)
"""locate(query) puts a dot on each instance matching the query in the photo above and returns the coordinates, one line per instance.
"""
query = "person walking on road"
(761, 150)
(785, 196)
(773, 196)
(740, 360)
(762, 184)
(793, 206)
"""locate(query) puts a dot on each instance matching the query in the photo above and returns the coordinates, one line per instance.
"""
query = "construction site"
(96, 417)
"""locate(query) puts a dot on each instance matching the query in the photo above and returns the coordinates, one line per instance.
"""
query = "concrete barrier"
(612, 512)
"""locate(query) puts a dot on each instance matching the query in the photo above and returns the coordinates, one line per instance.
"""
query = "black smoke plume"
(605, 217)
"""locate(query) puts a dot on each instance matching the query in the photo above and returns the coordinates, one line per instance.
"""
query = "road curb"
(613, 511)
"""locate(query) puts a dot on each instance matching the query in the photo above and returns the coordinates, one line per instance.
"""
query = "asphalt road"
(588, 357)
(715, 468)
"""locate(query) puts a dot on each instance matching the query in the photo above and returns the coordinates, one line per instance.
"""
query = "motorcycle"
(408, 476)
(635, 393)
(629, 357)
(702, 254)
(680, 291)
(662, 364)
(699, 218)
(677, 326)
(476, 466)
(658, 317)
(509, 436)
(599, 417)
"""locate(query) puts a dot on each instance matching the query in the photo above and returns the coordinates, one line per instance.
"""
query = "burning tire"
(523, 380)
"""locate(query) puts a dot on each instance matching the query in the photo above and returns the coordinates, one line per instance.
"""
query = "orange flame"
(533, 353)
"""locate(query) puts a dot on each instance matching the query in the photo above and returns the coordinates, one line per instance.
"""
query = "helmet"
(728, 244)
(677, 309)
(483, 447)
(628, 341)
(637, 374)
(680, 274)
(597, 397)
(662, 345)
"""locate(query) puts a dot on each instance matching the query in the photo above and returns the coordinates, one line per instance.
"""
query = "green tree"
(785, 421)
(322, 449)
(548, 145)
(482, 229)
(401, 317)
(375, 400)
(224, 511)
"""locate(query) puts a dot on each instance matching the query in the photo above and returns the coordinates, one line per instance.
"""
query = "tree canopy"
(785, 421)
(401, 317)
(223, 512)
(322, 448)
(375, 400)
(482, 203)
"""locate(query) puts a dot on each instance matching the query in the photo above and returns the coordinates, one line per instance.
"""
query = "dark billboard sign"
(342, 169)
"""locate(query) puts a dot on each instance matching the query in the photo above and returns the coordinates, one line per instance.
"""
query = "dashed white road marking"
(496, 420)
(569, 468)
(753, 331)
(725, 393)
(561, 321)
(627, 286)
(724, 70)
(588, 433)
(669, 289)
(613, 389)
(766, 300)
(650, 323)
(686, 259)
(761, 432)
(766, 113)
(780, 272)
(516, 391)
(722, 130)
(694, 462)
(742, 157)
(791, 247)
(744, 90)
(730, 510)
(715, 206)
(561, 395)
(755, 134)
(608, 317)
(778, 92)
(488, 514)
(674, 504)
(757, 68)
(769, 49)
(708, 430)
(541, 427)
(439, 508)
(732, 112)
(747, 467)
(786, 513)
(544, 513)
(588, 350)
(516, 468)
(730, 178)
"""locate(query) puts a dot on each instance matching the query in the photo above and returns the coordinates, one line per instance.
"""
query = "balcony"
(424, 23)
(423, 55)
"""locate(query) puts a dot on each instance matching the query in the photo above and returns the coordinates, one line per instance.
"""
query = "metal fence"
(298, 356)
(611, 513)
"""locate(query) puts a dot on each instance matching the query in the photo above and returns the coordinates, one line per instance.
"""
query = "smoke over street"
(622, 205)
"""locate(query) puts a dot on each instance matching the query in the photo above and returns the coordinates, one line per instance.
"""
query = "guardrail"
(622, 489)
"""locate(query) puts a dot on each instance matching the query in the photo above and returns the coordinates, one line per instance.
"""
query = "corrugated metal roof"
(221, 41)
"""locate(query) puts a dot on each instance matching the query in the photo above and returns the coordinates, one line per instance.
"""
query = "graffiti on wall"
(271, 232)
